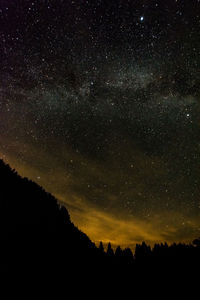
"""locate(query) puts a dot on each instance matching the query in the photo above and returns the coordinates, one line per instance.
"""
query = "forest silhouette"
(38, 237)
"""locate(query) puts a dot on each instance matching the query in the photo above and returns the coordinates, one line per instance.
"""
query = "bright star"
(141, 18)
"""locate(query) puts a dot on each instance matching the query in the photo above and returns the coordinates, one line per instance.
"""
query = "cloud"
(104, 221)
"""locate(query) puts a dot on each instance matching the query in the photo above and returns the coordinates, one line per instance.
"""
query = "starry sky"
(100, 105)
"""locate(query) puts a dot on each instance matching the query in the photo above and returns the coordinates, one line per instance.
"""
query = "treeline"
(38, 237)
(144, 253)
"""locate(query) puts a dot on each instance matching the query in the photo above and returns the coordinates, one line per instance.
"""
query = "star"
(100, 108)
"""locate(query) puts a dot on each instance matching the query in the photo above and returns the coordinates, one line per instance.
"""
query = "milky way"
(99, 103)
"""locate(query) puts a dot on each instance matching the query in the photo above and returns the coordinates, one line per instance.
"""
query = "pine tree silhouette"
(110, 251)
(38, 238)
(101, 247)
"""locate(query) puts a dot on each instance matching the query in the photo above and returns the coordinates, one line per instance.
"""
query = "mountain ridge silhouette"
(30, 216)
(37, 238)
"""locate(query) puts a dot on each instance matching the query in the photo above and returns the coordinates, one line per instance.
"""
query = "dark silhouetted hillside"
(36, 233)
(37, 238)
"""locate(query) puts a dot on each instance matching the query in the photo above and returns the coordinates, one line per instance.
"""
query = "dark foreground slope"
(36, 233)
(37, 238)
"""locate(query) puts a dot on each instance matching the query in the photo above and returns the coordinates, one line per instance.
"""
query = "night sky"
(100, 105)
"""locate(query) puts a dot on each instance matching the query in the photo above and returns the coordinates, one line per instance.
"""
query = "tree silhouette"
(38, 237)
(110, 251)
(101, 248)
(142, 251)
(128, 255)
(118, 252)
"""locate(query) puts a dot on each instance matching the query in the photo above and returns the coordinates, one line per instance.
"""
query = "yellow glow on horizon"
(100, 224)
